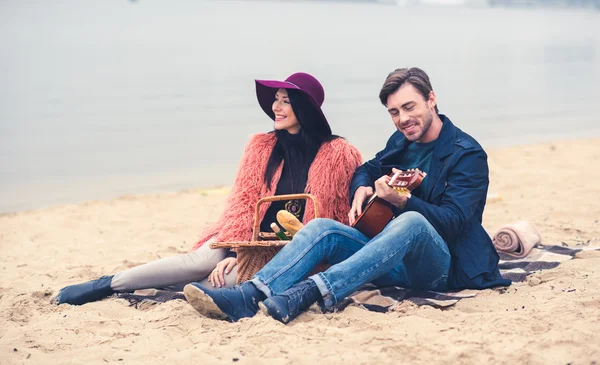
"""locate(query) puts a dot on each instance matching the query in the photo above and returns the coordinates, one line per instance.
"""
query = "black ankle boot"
(235, 303)
(292, 302)
(90, 291)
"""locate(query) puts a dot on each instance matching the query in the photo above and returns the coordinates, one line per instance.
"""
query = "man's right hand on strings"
(362, 195)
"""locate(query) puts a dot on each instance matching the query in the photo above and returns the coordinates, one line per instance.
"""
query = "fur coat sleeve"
(329, 180)
(236, 222)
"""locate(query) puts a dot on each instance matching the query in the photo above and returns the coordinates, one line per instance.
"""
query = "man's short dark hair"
(414, 76)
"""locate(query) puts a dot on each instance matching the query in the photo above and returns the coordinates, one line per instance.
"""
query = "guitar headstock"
(406, 181)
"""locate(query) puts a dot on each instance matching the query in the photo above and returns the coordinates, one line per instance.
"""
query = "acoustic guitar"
(379, 212)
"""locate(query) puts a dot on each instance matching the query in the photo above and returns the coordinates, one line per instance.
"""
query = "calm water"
(102, 98)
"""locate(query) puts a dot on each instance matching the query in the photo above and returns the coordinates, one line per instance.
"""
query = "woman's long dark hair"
(310, 136)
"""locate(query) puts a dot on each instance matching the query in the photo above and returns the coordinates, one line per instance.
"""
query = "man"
(436, 242)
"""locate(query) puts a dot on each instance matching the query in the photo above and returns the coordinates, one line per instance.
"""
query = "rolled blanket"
(517, 239)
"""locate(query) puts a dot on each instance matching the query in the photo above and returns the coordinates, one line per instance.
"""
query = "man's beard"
(426, 125)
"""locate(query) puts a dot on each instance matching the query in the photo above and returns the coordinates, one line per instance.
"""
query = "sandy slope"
(554, 318)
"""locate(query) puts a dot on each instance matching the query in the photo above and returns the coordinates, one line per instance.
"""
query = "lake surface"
(103, 98)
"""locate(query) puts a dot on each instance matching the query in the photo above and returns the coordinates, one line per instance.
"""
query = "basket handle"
(277, 198)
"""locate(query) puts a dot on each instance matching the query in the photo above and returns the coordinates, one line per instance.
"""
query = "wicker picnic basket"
(253, 255)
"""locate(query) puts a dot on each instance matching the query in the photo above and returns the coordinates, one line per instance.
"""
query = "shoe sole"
(264, 310)
(55, 299)
(202, 302)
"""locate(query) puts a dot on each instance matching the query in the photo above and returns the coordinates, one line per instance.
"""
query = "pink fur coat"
(329, 179)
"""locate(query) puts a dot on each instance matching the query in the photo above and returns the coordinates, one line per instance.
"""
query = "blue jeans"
(408, 253)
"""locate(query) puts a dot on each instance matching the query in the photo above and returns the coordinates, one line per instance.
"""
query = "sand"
(554, 318)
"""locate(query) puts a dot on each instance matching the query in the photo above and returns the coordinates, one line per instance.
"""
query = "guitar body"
(378, 212)
(375, 216)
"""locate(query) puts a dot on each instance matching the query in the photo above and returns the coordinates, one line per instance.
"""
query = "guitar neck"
(406, 181)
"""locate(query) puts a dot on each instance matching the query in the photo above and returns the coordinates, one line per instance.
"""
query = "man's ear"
(432, 102)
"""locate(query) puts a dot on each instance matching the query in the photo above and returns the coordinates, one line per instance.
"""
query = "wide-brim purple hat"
(303, 82)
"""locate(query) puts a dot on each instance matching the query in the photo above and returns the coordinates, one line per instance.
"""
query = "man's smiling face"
(411, 113)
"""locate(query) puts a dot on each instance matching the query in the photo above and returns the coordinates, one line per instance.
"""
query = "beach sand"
(553, 318)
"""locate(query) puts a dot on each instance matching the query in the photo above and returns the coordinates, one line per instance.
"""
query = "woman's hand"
(217, 276)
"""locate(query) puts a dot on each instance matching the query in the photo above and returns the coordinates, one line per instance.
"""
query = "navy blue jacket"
(453, 204)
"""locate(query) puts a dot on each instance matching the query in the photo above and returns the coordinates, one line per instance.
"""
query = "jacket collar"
(443, 148)
(445, 142)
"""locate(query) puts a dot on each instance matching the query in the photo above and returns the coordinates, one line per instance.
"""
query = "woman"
(300, 155)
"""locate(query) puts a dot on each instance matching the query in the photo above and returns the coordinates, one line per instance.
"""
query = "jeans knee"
(413, 220)
(314, 229)
(318, 225)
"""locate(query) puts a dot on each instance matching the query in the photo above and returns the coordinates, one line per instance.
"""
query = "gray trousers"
(173, 273)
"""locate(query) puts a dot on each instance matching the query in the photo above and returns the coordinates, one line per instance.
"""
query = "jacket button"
(445, 183)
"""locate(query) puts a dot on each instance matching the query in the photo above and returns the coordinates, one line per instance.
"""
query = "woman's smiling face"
(285, 119)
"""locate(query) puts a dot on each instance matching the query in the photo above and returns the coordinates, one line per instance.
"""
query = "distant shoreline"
(223, 189)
